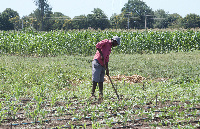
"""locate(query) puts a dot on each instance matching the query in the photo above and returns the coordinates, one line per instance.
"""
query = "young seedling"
(14, 111)
(43, 113)
(93, 116)
(68, 105)
(39, 102)
(53, 100)
(34, 115)
(109, 122)
(125, 119)
(2, 116)
(156, 100)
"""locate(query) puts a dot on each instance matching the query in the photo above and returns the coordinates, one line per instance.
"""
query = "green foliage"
(183, 67)
(79, 22)
(98, 20)
(191, 21)
(161, 21)
(136, 10)
(9, 13)
(42, 11)
(83, 42)
(5, 19)
(174, 20)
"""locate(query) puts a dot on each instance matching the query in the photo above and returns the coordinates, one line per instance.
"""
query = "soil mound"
(128, 79)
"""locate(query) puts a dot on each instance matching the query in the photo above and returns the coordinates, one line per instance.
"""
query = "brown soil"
(161, 114)
(129, 79)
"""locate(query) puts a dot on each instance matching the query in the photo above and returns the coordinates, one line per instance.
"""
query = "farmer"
(100, 63)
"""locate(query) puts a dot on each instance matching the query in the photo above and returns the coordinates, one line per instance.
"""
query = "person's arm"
(105, 63)
(107, 70)
(102, 58)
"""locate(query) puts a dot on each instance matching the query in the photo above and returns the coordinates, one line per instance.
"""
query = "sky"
(74, 8)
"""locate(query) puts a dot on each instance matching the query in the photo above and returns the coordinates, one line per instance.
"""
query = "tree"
(80, 22)
(119, 21)
(113, 21)
(48, 21)
(36, 19)
(57, 20)
(1, 22)
(136, 12)
(6, 23)
(174, 20)
(42, 10)
(160, 19)
(191, 21)
(98, 19)
(67, 24)
(16, 22)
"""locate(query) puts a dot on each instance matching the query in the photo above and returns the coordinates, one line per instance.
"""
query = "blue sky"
(73, 8)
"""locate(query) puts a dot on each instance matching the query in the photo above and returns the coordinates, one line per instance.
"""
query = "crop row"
(83, 42)
(111, 113)
(159, 105)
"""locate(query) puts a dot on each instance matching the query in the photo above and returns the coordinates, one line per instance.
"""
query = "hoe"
(112, 83)
(113, 87)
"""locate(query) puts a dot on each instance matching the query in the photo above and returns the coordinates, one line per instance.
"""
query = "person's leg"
(94, 84)
(101, 82)
(100, 89)
(96, 72)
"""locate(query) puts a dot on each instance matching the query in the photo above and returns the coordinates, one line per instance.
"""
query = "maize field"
(83, 42)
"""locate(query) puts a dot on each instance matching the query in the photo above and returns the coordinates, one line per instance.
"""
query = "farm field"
(46, 80)
(53, 92)
(74, 42)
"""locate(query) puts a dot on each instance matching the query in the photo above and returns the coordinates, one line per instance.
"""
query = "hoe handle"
(113, 87)
(111, 82)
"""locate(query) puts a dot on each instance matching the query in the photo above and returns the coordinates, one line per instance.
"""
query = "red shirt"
(105, 46)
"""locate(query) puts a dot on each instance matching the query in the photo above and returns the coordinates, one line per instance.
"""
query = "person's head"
(115, 41)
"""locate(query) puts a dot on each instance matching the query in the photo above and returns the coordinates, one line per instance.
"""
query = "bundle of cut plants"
(129, 79)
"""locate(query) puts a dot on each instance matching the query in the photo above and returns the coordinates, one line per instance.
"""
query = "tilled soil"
(109, 113)
(78, 115)
(129, 79)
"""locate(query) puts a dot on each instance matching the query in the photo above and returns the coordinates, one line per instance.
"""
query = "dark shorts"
(98, 71)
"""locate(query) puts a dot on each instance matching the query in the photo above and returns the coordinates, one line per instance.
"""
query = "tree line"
(134, 15)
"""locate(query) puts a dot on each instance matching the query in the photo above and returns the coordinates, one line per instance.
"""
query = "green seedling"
(39, 102)
(34, 115)
(93, 116)
(43, 113)
(2, 116)
(53, 100)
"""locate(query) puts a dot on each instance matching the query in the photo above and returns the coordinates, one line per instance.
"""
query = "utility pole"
(145, 22)
(22, 23)
(128, 21)
(128, 16)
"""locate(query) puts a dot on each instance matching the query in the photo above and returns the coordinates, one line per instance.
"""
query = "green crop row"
(83, 42)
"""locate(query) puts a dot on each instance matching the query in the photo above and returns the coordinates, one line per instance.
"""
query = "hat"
(116, 38)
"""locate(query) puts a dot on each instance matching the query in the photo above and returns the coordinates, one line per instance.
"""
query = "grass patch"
(66, 71)
(152, 66)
